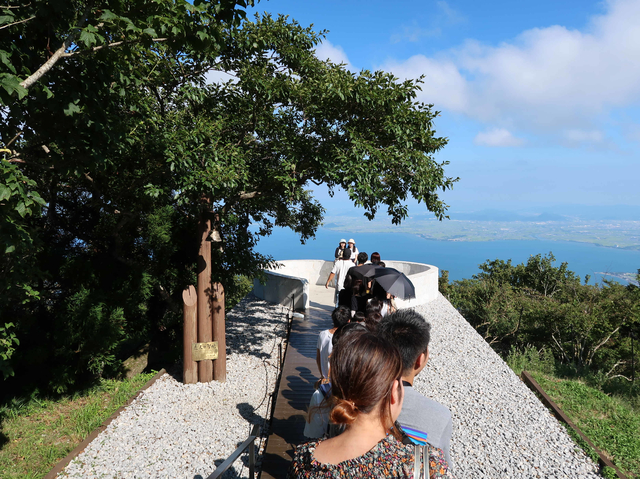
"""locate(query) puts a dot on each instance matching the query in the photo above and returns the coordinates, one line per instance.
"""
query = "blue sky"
(539, 100)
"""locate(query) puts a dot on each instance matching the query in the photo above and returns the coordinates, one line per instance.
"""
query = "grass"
(608, 421)
(36, 433)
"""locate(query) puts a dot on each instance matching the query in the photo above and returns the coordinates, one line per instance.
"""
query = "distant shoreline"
(463, 239)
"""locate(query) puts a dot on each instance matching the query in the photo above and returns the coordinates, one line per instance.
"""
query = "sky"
(540, 101)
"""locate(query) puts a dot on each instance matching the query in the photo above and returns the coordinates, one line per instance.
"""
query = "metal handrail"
(250, 443)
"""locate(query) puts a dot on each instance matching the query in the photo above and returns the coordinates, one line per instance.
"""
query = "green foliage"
(530, 359)
(443, 282)
(40, 431)
(241, 287)
(607, 421)
(545, 307)
(122, 147)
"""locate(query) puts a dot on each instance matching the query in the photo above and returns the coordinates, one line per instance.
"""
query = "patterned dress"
(389, 458)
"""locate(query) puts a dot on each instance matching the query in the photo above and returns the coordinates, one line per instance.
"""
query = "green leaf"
(11, 84)
(87, 38)
(150, 31)
(72, 108)
(5, 59)
(6, 19)
(108, 15)
(10, 249)
(21, 209)
(5, 192)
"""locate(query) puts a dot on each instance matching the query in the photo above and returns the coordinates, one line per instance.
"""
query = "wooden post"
(205, 367)
(220, 364)
(190, 335)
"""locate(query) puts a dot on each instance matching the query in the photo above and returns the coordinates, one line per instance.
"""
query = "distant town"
(485, 226)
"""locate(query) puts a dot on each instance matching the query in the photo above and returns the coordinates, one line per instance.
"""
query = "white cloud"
(443, 84)
(545, 79)
(414, 33)
(497, 137)
(582, 136)
(451, 15)
(327, 51)
(442, 17)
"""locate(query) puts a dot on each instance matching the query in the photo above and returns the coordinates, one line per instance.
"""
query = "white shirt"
(318, 416)
(325, 347)
(340, 271)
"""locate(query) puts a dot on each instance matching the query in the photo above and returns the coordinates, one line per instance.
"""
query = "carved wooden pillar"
(205, 367)
(190, 335)
(220, 364)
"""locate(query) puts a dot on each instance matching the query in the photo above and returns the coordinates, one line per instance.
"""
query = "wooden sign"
(202, 351)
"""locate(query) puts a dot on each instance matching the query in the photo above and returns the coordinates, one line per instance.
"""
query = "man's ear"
(421, 361)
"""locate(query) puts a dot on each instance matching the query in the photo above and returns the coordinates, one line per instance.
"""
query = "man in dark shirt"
(354, 272)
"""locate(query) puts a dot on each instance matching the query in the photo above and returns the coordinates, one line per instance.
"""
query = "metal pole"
(252, 453)
(633, 358)
(190, 333)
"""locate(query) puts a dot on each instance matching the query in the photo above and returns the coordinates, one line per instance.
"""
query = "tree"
(545, 306)
(137, 146)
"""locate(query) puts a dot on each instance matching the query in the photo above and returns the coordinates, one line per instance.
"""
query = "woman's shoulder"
(389, 458)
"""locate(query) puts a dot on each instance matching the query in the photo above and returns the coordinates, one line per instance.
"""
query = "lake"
(460, 258)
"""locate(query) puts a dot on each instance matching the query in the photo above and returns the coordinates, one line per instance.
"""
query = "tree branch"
(17, 23)
(602, 343)
(243, 195)
(14, 139)
(48, 65)
(9, 7)
(109, 45)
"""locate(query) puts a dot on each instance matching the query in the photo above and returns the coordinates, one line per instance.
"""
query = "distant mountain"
(596, 212)
(549, 217)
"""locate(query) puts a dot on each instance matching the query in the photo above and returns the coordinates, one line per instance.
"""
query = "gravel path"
(500, 429)
(175, 430)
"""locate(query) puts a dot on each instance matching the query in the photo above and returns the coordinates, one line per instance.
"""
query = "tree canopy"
(537, 304)
(115, 143)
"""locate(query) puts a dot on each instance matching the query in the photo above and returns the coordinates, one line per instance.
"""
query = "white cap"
(343, 240)
(352, 241)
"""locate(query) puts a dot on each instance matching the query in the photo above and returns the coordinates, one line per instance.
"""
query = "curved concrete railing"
(294, 277)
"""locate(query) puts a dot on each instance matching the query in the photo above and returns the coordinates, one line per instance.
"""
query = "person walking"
(339, 271)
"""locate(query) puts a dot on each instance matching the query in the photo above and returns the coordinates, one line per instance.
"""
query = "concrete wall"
(283, 289)
(295, 276)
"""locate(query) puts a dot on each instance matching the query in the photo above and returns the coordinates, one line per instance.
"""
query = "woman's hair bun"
(343, 412)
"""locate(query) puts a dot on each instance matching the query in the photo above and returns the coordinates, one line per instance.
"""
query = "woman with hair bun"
(366, 379)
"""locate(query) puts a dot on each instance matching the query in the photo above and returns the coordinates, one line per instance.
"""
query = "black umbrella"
(393, 282)
(359, 272)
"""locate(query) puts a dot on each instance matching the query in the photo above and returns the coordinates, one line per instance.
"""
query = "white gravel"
(500, 428)
(175, 430)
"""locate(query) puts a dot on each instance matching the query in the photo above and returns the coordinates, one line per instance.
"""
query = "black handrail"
(250, 443)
